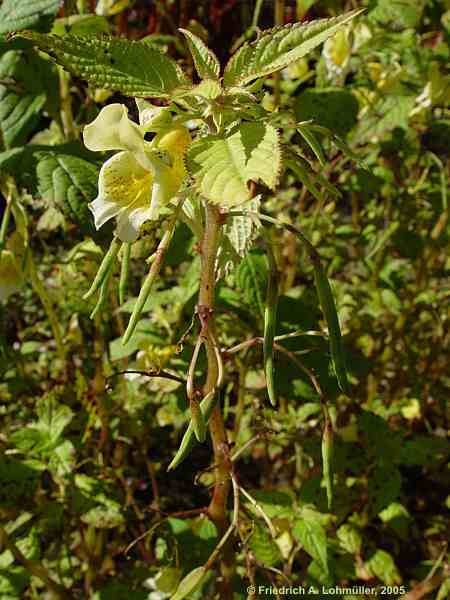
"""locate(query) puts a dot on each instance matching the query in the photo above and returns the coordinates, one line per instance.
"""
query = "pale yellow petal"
(113, 130)
(124, 185)
(130, 222)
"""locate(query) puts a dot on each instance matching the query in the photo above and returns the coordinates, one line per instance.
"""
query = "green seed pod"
(207, 406)
(126, 250)
(270, 323)
(107, 262)
(198, 421)
(328, 306)
(103, 293)
(327, 458)
(148, 284)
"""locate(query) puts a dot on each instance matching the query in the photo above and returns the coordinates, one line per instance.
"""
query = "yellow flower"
(135, 183)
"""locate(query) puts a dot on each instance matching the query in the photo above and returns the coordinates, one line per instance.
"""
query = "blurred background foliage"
(83, 484)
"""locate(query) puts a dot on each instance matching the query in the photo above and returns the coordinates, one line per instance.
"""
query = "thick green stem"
(218, 506)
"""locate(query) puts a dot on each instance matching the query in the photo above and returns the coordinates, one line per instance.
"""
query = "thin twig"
(301, 366)
(247, 444)
(162, 374)
(261, 511)
(190, 387)
(278, 338)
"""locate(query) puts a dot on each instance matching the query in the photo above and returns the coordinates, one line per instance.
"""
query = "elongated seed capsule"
(328, 306)
(148, 283)
(107, 262)
(123, 283)
(327, 458)
(207, 406)
(103, 293)
(198, 421)
(270, 323)
(324, 292)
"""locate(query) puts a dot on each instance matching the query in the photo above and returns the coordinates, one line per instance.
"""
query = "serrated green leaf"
(189, 583)
(69, 183)
(313, 538)
(26, 82)
(222, 166)
(206, 62)
(277, 48)
(133, 68)
(26, 14)
(64, 176)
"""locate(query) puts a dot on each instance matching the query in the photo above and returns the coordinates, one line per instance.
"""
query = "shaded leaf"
(26, 84)
(27, 14)
(264, 547)
(312, 536)
(336, 109)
